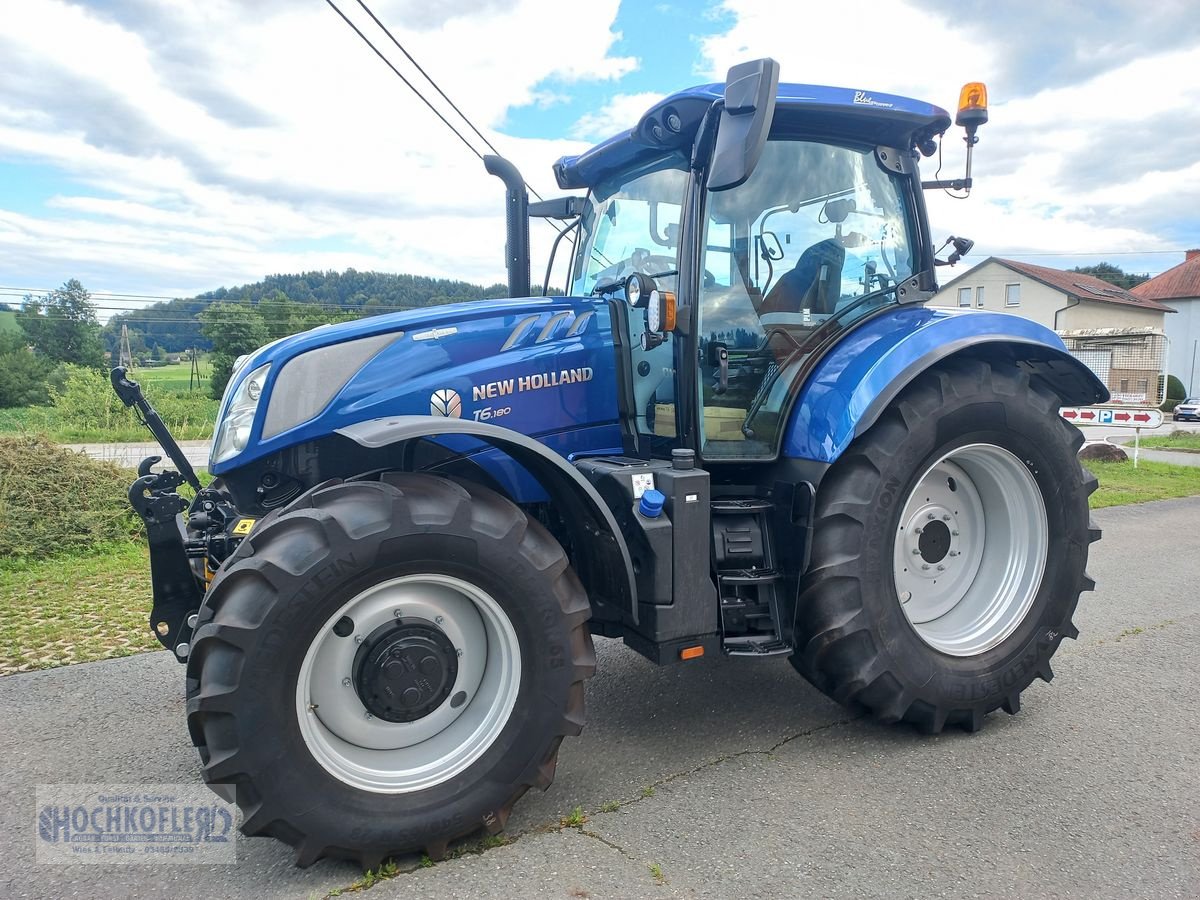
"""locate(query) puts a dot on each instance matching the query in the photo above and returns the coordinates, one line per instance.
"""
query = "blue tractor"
(740, 432)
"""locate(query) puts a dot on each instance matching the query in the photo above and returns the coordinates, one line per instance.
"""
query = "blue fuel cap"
(652, 504)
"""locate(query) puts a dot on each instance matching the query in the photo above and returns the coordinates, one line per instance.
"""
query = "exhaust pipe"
(516, 224)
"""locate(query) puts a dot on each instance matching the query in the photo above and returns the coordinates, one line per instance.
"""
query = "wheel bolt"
(439, 620)
(931, 517)
(941, 568)
(954, 533)
(954, 553)
(945, 518)
(346, 682)
(916, 552)
(918, 530)
(397, 613)
(925, 567)
(369, 716)
(459, 652)
(358, 639)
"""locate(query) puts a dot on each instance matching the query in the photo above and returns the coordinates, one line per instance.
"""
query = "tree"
(234, 329)
(62, 326)
(22, 375)
(1113, 275)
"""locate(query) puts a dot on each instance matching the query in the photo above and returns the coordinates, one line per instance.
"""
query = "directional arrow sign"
(1120, 416)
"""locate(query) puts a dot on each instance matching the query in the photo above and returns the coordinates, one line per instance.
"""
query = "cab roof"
(805, 110)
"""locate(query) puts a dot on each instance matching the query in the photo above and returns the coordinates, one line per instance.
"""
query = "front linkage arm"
(153, 496)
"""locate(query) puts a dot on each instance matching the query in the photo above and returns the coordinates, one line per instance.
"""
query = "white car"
(1188, 410)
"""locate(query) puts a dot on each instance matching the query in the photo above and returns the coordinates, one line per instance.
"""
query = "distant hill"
(173, 326)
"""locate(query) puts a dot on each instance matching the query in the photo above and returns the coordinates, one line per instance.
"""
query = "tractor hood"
(541, 366)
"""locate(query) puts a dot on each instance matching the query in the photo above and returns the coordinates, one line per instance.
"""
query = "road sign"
(1120, 416)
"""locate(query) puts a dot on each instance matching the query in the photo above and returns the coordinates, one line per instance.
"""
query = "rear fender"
(599, 555)
(857, 379)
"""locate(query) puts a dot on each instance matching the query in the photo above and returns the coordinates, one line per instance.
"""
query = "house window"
(1143, 385)
(964, 296)
(1124, 385)
(1012, 295)
(979, 296)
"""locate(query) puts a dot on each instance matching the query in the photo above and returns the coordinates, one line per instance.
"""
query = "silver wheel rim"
(970, 549)
(398, 757)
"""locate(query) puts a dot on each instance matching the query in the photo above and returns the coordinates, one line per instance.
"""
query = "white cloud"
(620, 113)
(1094, 164)
(207, 140)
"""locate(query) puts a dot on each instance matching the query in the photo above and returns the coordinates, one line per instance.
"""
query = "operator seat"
(814, 283)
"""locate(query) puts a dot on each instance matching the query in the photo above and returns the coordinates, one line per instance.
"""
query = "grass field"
(1176, 440)
(172, 378)
(1121, 483)
(8, 320)
(75, 608)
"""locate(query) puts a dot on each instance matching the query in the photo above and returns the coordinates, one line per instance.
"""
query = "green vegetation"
(62, 326)
(1113, 275)
(328, 296)
(75, 607)
(84, 409)
(1121, 483)
(1177, 440)
(53, 500)
(656, 872)
(74, 571)
(575, 819)
(8, 322)
(609, 806)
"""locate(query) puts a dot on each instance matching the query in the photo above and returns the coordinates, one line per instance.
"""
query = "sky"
(167, 147)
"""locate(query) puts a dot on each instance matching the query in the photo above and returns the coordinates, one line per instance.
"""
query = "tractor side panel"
(854, 382)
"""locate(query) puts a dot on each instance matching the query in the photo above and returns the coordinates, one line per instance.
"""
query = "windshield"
(815, 239)
(632, 226)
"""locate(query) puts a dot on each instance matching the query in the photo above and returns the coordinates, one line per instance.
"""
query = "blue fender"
(857, 379)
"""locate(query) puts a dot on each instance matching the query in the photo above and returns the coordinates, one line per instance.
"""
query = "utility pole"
(194, 374)
(124, 355)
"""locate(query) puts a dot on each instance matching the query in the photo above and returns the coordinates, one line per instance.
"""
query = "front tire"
(388, 666)
(950, 548)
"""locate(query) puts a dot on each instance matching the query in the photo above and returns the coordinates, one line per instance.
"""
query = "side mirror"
(750, 90)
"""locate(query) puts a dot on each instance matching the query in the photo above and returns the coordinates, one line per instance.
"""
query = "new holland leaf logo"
(446, 402)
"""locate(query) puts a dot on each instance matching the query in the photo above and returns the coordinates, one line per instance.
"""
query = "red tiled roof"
(1181, 281)
(1073, 284)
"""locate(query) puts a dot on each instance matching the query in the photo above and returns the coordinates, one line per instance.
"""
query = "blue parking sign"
(1106, 416)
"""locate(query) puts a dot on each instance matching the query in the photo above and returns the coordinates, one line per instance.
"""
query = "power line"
(428, 77)
(400, 75)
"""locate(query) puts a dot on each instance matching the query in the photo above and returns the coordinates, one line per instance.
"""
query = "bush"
(86, 404)
(23, 376)
(1175, 390)
(54, 500)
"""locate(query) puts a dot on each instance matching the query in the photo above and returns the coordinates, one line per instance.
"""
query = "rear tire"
(346, 763)
(950, 549)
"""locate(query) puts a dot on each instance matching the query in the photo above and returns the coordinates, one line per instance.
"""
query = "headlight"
(233, 433)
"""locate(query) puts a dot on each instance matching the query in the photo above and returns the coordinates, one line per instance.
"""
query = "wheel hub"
(405, 671)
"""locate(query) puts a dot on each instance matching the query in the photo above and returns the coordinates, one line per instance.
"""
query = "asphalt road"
(760, 786)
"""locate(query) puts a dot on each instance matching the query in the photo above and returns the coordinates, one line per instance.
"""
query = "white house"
(1062, 301)
(1179, 289)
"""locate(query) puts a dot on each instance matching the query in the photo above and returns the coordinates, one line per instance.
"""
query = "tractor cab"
(728, 289)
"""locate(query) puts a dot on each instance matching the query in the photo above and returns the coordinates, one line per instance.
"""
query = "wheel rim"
(970, 549)
(466, 703)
